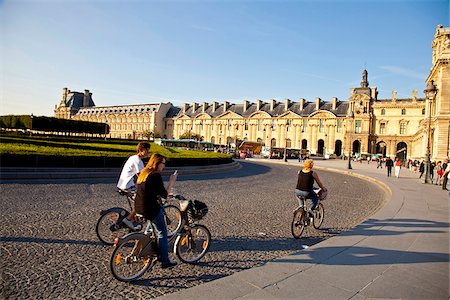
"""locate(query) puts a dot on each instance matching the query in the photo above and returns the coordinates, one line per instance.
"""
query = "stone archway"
(402, 151)
(381, 148)
(320, 146)
(338, 148)
(356, 147)
(304, 144)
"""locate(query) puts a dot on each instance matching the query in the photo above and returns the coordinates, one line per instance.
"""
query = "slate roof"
(278, 110)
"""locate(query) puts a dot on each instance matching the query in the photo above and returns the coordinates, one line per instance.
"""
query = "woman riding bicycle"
(305, 182)
(150, 187)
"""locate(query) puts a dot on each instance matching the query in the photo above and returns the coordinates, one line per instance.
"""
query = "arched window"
(383, 111)
(403, 111)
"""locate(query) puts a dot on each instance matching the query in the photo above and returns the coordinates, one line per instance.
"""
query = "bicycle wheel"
(319, 213)
(193, 244)
(126, 262)
(172, 215)
(297, 225)
(108, 228)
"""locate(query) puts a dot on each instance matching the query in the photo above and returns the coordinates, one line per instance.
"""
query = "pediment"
(260, 115)
(203, 116)
(183, 117)
(322, 114)
(229, 115)
(289, 115)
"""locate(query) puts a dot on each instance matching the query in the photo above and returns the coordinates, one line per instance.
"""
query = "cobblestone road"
(49, 229)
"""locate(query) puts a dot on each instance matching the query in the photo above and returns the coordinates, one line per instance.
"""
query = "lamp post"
(350, 142)
(285, 141)
(430, 93)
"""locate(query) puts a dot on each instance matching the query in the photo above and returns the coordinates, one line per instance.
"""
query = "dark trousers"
(389, 170)
(444, 183)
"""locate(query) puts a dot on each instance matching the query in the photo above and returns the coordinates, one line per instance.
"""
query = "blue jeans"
(161, 230)
(309, 194)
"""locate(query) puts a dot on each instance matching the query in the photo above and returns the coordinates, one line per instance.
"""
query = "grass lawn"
(63, 146)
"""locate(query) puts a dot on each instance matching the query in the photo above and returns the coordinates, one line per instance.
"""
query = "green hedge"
(50, 124)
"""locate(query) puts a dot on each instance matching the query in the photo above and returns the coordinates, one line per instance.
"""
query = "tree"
(148, 134)
(190, 135)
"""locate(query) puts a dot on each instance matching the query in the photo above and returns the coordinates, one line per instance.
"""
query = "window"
(259, 125)
(423, 111)
(383, 112)
(321, 129)
(358, 126)
(382, 128)
(305, 125)
(246, 126)
(339, 126)
(403, 128)
(201, 125)
(274, 126)
(403, 111)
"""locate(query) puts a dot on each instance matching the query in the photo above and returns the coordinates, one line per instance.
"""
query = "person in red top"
(397, 166)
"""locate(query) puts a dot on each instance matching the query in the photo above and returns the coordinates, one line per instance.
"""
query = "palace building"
(363, 124)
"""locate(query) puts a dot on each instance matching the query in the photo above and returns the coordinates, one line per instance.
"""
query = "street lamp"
(285, 141)
(430, 93)
(351, 116)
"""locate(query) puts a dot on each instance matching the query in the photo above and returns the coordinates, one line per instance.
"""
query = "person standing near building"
(131, 169)
(397, 167)
(389, 165)
(421, 168)
(446, 170)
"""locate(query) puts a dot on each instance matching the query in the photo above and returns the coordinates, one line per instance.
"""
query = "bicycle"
(137, 252)
(110, 226)
(303, 216)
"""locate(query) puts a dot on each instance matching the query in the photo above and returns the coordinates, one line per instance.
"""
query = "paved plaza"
(49, 230)
(400, 252)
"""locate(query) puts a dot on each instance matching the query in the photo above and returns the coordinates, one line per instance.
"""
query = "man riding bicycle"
(127, 180)
(305, 182)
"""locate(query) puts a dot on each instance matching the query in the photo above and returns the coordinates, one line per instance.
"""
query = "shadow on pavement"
(24, 239)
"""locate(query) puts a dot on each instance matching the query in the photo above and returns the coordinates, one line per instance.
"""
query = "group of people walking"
(439, 170)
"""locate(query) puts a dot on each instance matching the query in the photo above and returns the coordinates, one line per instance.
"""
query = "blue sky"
(131, 52)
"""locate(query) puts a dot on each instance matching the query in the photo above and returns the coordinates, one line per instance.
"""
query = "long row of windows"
(383, 111)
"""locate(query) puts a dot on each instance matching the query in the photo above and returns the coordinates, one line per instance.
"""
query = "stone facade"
(362, 124)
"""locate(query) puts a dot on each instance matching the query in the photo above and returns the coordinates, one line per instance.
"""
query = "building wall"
(354, 125)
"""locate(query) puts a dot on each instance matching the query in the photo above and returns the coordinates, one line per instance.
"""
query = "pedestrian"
(368, 159)
(421, 168)
(438, 173)
(127, 180)
(150, 188)
(397, 167)
(389, 165)
(446, 168)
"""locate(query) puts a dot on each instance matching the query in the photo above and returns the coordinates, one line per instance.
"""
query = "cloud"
(404, 71)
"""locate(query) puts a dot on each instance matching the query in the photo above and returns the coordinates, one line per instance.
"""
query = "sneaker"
(131, 225)
(169, 264)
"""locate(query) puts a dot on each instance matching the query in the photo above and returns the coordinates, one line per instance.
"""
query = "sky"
(136, 52)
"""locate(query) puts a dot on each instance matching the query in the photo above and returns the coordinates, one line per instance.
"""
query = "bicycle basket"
(197, 209)
(323, 194)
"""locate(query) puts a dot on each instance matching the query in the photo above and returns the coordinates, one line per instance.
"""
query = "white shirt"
(133, 166)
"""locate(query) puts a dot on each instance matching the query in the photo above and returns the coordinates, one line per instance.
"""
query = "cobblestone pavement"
(49, 230)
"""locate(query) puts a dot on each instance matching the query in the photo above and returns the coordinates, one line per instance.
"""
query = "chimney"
(225, 105)
(185, 108)
(273, 102)
(246, 105)
(204, 106)
(334, 102)
(86, 97)
(214, 106)
(258, 104)
(287, 102)
(318, 103)
(194, 107)
(301, 103)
